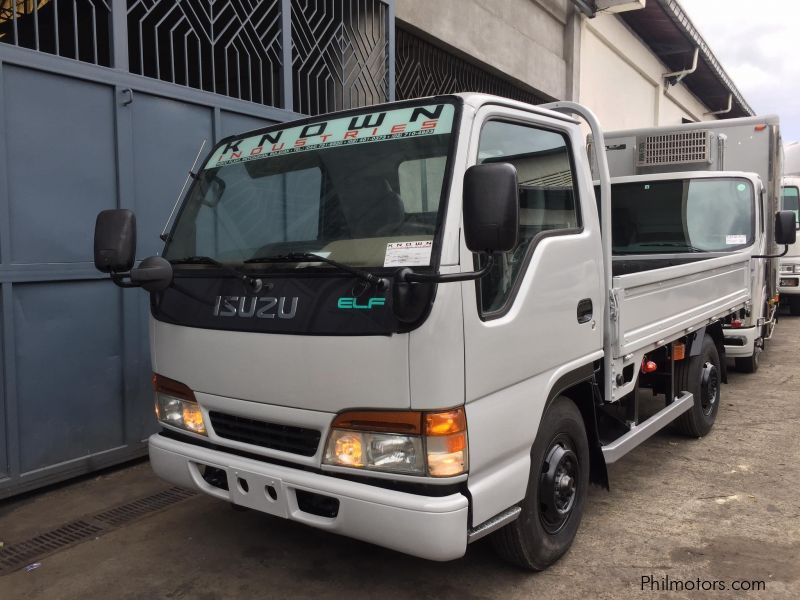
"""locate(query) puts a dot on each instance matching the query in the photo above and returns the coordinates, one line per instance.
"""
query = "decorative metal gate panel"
(231, 48)
(427, 70)
(105, 103)
(340, 54)
(80, 29)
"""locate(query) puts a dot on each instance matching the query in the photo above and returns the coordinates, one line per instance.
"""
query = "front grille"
(297, 440)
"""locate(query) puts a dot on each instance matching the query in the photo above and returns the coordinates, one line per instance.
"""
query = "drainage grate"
(126, 513)
(16, 556)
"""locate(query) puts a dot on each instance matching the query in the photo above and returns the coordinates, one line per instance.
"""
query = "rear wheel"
(557, 486)
(700, 375)
(794, 305)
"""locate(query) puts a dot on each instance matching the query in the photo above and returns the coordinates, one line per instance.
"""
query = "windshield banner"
(363, 128)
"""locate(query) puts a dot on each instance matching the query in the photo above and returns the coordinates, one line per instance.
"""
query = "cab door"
(537, 318)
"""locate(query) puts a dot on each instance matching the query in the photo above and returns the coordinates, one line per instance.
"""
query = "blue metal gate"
(105, 103)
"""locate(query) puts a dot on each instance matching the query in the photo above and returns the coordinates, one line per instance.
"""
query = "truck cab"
(686, 216)
(789, 284)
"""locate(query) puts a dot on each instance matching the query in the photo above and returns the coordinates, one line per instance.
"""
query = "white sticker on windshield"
(408, 254)
(735, 240)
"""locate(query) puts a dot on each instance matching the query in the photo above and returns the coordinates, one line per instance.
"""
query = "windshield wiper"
(311, 257)
(253, 282)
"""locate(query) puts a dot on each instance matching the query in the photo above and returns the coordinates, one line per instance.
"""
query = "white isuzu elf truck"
(789, 284)
(749, 145)
(400, 324)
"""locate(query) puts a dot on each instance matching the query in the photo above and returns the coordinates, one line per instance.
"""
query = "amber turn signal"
(445, 423)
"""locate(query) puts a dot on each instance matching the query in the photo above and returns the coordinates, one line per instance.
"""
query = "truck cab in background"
(789, 283)
(750, 146)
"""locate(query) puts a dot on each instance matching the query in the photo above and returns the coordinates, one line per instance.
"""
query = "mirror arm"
(785, 251)
(407, 275)
(119, 280)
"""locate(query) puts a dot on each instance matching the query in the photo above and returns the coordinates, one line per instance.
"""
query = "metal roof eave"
(661, 25)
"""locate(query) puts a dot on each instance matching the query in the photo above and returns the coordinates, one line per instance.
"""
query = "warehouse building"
(108, 103)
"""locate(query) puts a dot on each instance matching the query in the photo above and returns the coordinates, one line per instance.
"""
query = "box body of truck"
(363, 370)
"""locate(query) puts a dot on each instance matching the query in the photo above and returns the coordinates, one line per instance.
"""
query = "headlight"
(382, 451)
(408, 442)
(789, 268)
(797, 268)
(177, 406)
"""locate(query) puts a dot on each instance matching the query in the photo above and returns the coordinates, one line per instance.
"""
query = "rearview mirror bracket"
(407, 275)
(785, 251)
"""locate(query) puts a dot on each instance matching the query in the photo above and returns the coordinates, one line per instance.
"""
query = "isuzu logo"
(265, 307)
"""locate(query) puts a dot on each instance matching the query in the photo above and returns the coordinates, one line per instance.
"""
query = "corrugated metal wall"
(105, 103)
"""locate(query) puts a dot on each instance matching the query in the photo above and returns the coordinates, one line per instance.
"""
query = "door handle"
(585, 310)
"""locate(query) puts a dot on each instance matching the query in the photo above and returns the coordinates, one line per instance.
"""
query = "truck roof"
(716, 125)
(477, 100)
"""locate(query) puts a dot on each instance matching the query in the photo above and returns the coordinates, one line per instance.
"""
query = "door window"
(547, 196)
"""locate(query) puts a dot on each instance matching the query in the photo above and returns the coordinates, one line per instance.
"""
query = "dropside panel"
(658, 305)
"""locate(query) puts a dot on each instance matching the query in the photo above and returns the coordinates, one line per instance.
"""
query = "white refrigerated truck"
(400, 324)
(789, 283)
(749, 145)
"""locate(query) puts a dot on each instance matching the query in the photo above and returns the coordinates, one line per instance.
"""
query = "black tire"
(794, 306)
(748, 364)
(549, 521)
(701, 375)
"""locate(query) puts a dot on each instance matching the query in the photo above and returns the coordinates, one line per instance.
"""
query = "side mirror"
(153, 274)
(115, 241)
(491, 207)
(785, 228)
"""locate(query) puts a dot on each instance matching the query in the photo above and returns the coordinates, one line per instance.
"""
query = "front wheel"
(700, 375)
(557, 486)
(748, 364)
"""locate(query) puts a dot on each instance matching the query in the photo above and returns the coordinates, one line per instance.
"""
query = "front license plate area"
(788, 283)
(266, 494)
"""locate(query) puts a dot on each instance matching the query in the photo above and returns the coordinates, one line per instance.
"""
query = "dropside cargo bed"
(658, 305)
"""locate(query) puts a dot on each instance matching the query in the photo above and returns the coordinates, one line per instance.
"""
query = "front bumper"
(740, 342)
(434, 528)
(789, 283)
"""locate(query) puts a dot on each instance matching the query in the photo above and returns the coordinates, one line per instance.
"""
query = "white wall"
(523, 39)
(622, 81)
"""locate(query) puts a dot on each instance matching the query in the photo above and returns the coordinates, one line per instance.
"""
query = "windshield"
(791, 200)
(364, 189)
(683, 215)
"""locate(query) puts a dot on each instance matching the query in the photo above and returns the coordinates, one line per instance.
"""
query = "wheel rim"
(709, 388)
(558, 484)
